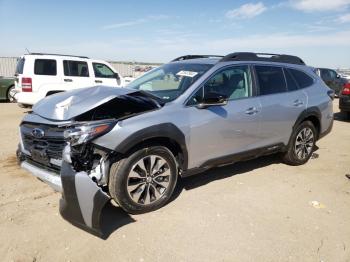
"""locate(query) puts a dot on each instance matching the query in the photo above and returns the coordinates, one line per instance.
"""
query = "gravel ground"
(260, 210)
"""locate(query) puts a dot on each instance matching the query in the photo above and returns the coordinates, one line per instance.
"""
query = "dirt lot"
(259, 210)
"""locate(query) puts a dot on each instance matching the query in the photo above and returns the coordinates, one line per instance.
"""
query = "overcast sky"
(159, 30)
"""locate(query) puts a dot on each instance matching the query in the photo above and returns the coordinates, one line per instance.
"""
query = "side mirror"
(213, 99)
(338, 76)
(116, 76)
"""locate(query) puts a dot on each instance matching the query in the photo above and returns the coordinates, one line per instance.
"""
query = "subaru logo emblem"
(38, 133)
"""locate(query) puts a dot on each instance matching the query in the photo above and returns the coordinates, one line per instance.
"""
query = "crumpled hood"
(67, 105)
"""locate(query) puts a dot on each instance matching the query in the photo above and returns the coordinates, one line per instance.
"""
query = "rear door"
(105, 75)
(76, 74)
(281, 101)
(47, 72)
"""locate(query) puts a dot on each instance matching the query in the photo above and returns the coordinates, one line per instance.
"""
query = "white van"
(39, 75)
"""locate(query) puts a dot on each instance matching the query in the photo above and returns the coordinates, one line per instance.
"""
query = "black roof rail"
(249, 56)
(187, 57)
(58, 55)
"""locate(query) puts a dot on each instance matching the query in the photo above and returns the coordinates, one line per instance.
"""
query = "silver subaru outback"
(130, 144)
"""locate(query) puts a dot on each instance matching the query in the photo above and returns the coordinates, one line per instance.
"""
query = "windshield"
(170, 80)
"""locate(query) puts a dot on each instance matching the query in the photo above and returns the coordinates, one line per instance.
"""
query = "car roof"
(214, 61)
(54, 55)
(208, 61)
(246, 57)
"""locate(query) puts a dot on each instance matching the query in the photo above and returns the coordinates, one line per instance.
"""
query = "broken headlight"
(83, 133)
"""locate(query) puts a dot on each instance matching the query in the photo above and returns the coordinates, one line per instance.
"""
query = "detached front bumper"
(82, 200)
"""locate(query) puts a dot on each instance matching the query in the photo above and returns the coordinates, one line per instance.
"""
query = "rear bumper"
(344, 103)
(28, 98)
(328, 130)
(52, 179)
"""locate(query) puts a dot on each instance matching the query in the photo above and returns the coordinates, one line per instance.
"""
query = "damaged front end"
(58, 145)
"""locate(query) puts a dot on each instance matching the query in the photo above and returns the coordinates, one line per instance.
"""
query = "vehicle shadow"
(341, 117)
(111, 219)
(218, 173)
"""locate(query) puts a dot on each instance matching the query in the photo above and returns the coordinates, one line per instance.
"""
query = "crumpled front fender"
(82, 200)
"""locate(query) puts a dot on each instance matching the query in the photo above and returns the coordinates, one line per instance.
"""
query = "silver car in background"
(189, 115)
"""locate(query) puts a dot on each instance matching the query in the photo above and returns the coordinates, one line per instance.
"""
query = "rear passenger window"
(75, 68)
(271, 80)
(45, 67)
(291, 83)
(302, 79)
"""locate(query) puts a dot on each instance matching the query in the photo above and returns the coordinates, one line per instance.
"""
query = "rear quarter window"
(20, 66)
(292, 85)
(271, 80)
(301, 78)
(45, 67)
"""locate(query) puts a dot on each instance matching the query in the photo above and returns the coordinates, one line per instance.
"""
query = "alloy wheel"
(148, 179)
(11, 94)
(304, 143)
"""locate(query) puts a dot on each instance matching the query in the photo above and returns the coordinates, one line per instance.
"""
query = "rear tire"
(345, 115)
(144, 181)
(10, 94)
(301, 145)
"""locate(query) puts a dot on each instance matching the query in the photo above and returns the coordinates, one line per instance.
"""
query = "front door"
(220, 131)
(104, 75)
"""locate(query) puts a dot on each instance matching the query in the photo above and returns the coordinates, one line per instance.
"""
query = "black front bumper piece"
(82, 200)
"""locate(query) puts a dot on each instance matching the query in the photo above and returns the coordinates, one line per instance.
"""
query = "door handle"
(98, 81)
(297, 102)
(251, 111)
(68, 80)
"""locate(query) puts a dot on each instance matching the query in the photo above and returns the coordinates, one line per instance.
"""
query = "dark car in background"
(332, 79)
(7, 88)
(344, 100)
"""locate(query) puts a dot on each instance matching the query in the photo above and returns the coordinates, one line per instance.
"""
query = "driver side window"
(234, 83)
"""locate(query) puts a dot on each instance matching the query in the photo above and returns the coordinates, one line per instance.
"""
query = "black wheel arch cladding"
(310, 113)
(165, 130)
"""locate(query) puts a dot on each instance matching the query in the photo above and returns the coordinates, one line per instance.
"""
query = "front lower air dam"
(82, 200)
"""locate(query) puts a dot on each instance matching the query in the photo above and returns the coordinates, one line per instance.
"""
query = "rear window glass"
(291, 83)
(271, 80)
(45, 67)
(75, 68)
(302, 79)
(20, 66)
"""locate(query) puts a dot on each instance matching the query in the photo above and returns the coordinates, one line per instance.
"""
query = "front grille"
(51, 144)
(51, 168)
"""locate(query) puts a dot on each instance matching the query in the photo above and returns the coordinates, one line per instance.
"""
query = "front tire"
(301, 145)
(143, 181)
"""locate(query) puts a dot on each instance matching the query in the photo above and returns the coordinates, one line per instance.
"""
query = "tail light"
(346, 89)
(26, 84)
